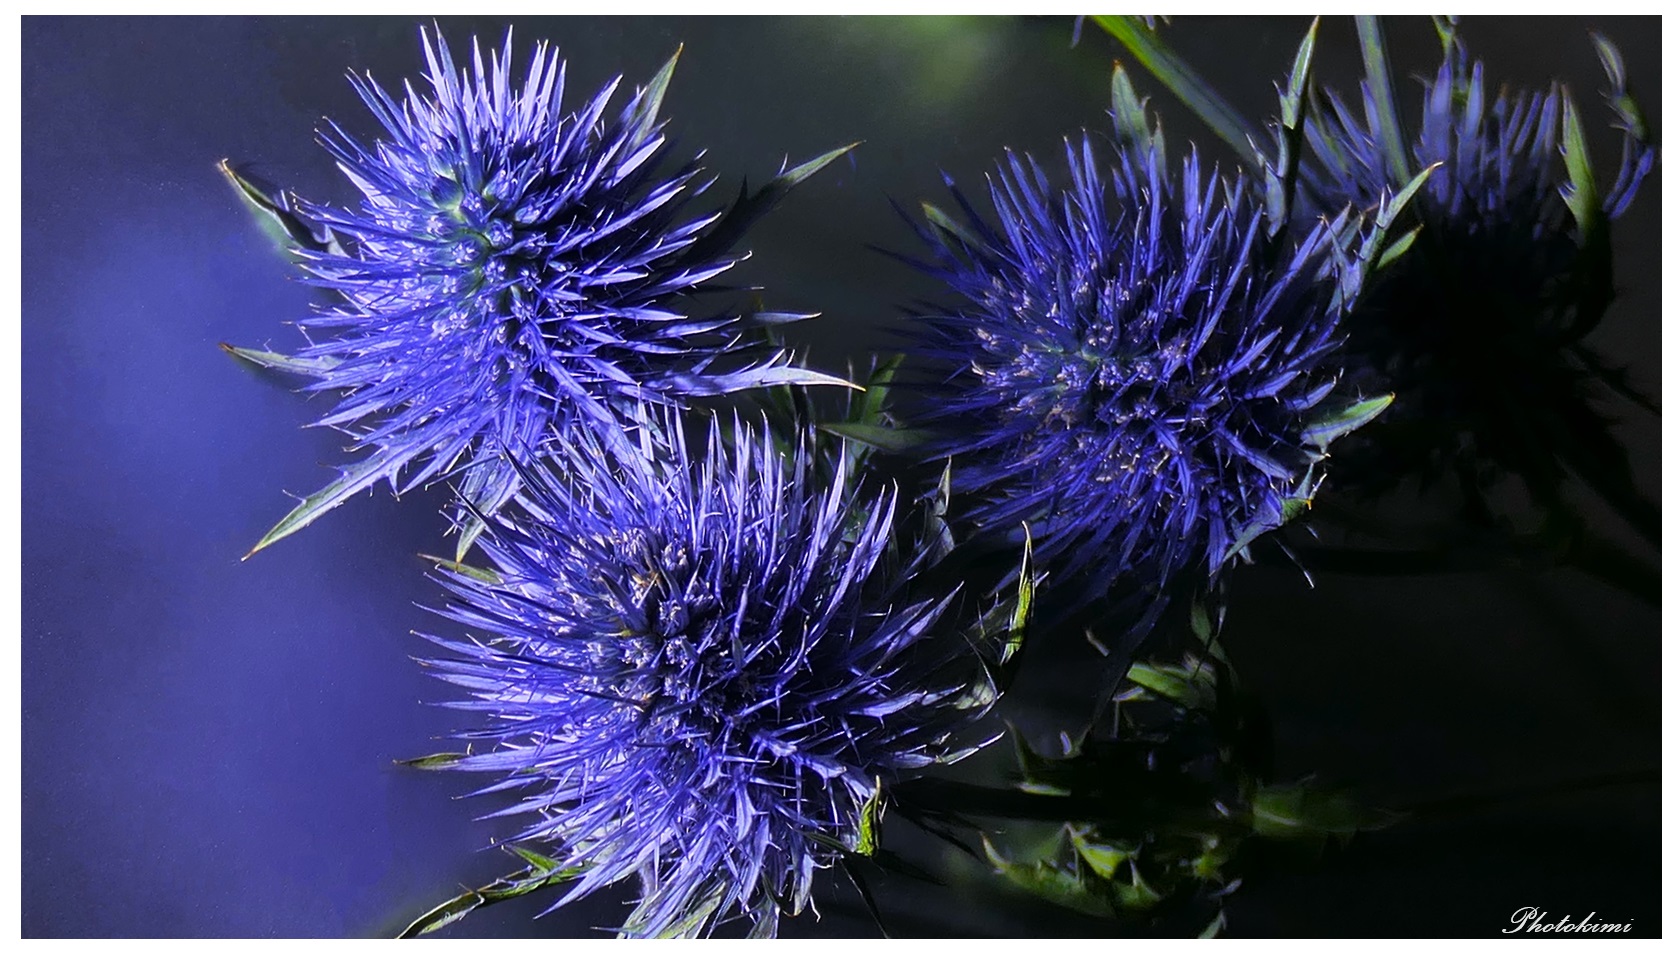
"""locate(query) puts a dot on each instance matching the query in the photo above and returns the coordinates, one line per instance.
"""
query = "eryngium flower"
(1477, 327)
(698, 671)
(512, 267)
(1130, 375)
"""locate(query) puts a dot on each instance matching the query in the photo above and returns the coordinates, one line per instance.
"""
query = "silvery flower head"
(512, 266)
(1478, 327)
(1134, 373)
(698, 670)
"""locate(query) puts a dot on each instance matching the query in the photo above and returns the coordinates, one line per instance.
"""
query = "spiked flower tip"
(1478, 328)
(698, 671)
(512, 267)
(1134, 373)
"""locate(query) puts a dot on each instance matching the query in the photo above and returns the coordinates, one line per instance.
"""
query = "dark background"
(208, 745)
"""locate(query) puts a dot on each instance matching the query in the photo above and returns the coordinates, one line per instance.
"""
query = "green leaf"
(750, 207)
(893, 440)
(278, 214)
(1345, 420)
(1214, 927)
(1137, 895)
(648, 113)
(438, 760)
(1582, 193)
(869, 822)
(1397, 248)
(1183, 82)
(1050, 882)
(1628, 113)
(1023, 604)
(462, 569)
(355, 478)
(1373, 247)
(1131, 119)
(944, 223)
(1105, 859)
(472, 527)
(1201, 623)
(1281, 177)
(540, 873)
(274, 361)
(1300, 811)
(1191, 687)
(936, 531)
(1391, 135)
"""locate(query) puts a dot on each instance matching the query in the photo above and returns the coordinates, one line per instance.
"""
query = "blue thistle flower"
(701, 669)
(512, 267)
(1478, 326)
(1136, 374)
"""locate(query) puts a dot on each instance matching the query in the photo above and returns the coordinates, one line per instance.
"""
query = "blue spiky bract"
(698, 669)
(1478, 327)
(512, 267)
(1133, 371)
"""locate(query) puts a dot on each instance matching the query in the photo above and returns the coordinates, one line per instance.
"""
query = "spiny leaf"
(653, 96)
(1345, 420)
(944, 223)
(355, 478)
(541, 873)
(272, 360)
(893, 440)
(279, 215)
(472, 527)
(1280, 177)
(1052, 883)
(1183, 82)
(1023, 603)
(1131, 119)
(1104, 858)
(435, 761)
(1191, 687)
(869, 822)
(462, 569)
(1397, 248)
(1581, 195)
(750, 207)
(1391, 135)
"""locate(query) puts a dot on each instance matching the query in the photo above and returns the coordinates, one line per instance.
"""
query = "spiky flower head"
(1134, 373)
(1478, 327)
(513, 266)
(698, 670)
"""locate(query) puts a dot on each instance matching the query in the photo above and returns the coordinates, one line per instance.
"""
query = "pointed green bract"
(893, 440)
(749, 208)
(274, 361)
(1191, 89)
(435, 761)
(1347, 419)
(1280, 176)
(647, 113)
(456, 566)
(1390, 131)
(1131, 119)
(278, 215)
(354, 479)
(540, 873)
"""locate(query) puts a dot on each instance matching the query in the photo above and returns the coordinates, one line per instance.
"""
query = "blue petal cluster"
(513, 267)
(1134, 369)
(1477, 327)
(699, 669)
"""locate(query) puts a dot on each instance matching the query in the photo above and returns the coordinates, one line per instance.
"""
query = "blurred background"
(208, 745)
